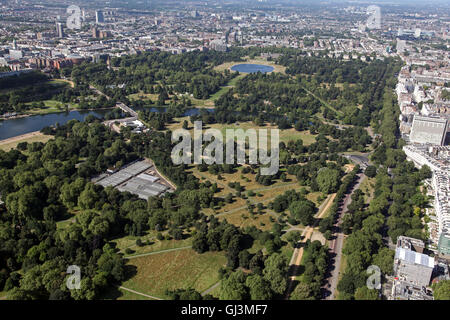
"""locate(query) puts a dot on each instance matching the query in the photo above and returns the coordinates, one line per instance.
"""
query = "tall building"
(99, 17)
(59, 30)
(417, 33)
(95, 33)
(218, 45)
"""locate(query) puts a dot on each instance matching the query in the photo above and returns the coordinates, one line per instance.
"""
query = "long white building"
(438, 159)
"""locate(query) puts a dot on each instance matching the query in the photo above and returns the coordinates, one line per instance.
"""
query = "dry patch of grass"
(243, 219)
(285, 135)
(143, 96)
(174, 270)
(8, 144)
(129, 242)
(368, 187)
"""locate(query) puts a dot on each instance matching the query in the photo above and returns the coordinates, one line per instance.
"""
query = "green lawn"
(63, 224)
(225, 89)
(3, 295)
(53, 106)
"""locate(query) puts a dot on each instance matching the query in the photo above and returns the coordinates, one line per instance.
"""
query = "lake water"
(252, 68)
(16, 127)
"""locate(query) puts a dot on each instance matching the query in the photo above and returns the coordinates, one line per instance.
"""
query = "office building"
(99, 17)
(59, 30)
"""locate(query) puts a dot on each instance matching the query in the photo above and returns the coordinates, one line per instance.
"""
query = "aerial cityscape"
(224, 150)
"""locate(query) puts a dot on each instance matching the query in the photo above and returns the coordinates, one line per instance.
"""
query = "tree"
(425, 172)
(350, 282)
(303, 211)
(89, 198)
(328, 180)
(244, 259)
(294, 237)
(185, 294)
(200, 242)
(371, 171)
(364, 293)
(384, 259)
(259, 288)
(233, 287)
(71, 191)
(302, 292)
(442, 290)
(275, 271)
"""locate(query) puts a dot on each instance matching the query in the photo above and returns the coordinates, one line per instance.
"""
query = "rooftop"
(413, 257)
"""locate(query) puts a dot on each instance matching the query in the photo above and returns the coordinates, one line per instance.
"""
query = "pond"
(252, 68)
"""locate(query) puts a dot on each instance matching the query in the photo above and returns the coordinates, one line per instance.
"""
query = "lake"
(252, 68)
(16, 127)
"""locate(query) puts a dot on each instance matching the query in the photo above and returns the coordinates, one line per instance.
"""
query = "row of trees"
(395, 210)
(316, 264)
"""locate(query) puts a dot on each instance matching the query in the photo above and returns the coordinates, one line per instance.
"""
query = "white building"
(438, 159)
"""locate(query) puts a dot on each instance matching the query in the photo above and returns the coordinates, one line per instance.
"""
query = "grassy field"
(173, 270)
(155, 246)
(127, 295)
(64, 224)
(368, 187)
(121, 294)
(225, 89)
(12, 143)
(237, 212)
(53, 106)
(143, 96)
(285, 135)
(243, 219)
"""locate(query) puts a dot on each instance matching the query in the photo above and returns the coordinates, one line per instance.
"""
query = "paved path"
(209, 290)
(120, 105)
(326, 104)
(296, 258)
(127, 109)
(140, 293)
(337, 244)
(156, 252)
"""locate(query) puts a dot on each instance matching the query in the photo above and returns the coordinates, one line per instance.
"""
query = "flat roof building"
(134, 178)
(410, 266)
(428, 130)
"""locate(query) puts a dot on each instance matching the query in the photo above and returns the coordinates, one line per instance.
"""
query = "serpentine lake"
(19, 126)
